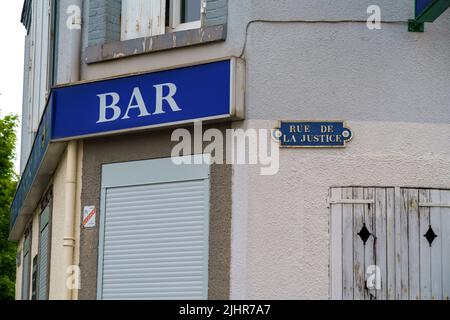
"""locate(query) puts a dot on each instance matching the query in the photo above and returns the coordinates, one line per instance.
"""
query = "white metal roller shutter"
(26, 276)
(43, 263)
(155, 240)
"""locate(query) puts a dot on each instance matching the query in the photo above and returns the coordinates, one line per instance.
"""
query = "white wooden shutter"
(435, 259)
(40, 60)
(26, 134)
(352, 209)
(43, 255)
(155, 236)
(142, 18)
(411, 266)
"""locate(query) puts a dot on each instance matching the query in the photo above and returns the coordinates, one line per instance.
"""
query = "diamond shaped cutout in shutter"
(430, 235)
(364, 234)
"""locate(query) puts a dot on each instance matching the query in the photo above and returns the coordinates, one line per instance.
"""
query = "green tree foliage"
(8, 180)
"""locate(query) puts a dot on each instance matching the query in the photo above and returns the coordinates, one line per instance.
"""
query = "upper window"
(144, 18)
(184, 14)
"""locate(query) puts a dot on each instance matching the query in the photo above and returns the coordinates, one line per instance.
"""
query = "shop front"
(149, 225)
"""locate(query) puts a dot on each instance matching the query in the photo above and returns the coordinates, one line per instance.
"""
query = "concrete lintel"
(181, 39)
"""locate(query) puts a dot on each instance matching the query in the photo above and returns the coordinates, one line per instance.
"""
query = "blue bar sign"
(422, 5)
(313, 134)
(156, 99)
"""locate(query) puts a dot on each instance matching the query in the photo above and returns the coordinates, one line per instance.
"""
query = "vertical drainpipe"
(69, 210)
(68, 66)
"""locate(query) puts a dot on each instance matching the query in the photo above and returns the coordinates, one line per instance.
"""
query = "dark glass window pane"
(167, 13)
(190, 10)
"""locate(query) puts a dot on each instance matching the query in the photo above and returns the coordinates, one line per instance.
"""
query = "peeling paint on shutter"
(142, 18)
(411, 265)
(155, 243)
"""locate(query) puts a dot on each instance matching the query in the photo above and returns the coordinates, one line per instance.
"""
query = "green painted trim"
(430, 14)
(433, 11)
(414, 26)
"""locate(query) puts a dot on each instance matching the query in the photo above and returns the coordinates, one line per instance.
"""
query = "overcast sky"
(12, 35)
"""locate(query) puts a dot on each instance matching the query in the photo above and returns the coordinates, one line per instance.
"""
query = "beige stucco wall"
(58, 276)
(57, 273)
(78, 211)
(286, 217)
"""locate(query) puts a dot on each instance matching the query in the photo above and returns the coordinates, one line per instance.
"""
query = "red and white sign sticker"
(89, 214)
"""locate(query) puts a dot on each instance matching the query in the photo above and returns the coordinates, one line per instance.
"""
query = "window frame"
(175, 16)
(173, 25)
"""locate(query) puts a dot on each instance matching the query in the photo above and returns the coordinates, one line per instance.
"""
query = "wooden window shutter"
(404, 233)
(142, 18)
